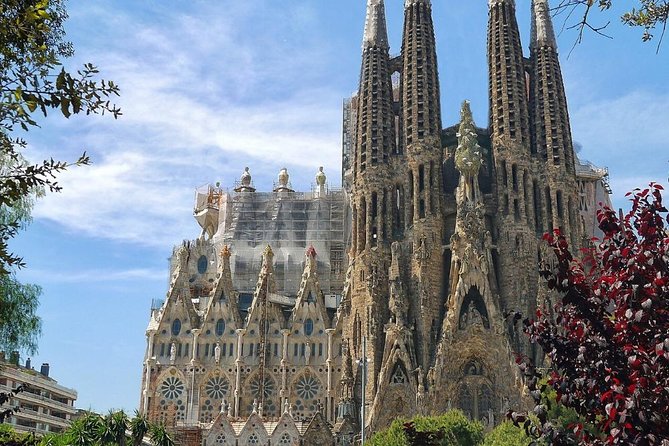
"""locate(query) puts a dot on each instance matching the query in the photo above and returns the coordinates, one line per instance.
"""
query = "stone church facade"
(434, 235)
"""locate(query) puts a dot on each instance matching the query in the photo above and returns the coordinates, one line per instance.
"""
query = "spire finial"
(376, 32)
(268, 254)
(542, 25)
(225, 252)
(408, 3)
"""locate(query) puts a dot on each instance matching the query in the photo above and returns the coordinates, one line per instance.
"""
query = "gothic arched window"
(176, 327)
(202, 264)
(308, 327)
(466, 401)
(220, 327)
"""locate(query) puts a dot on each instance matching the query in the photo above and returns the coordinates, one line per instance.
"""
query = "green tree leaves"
(33, 81)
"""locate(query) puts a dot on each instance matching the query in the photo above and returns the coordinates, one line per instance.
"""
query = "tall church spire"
(551, 130)
(508, 93)
(376, 33)
(420, 77)
(372, 193)
(421, 138)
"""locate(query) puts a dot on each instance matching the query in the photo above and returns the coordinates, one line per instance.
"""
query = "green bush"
(457, 430)
(506, 434)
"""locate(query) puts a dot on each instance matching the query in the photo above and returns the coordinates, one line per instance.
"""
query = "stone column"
(330, 391)
(284, 393)
(196, 337)
(238, 366)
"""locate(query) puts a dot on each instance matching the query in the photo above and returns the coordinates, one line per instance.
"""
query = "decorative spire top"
(311, 252)
(468, 155)
(320, 177)
(268, 255)
(246, 177)
(542, 25)
(376, 32)
(492, 3)
(283, 177)
(408, 3)
(225, 252)
(245, 182)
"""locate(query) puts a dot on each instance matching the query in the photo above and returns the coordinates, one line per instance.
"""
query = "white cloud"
(196, 107)
(94, 276)
(629, 134)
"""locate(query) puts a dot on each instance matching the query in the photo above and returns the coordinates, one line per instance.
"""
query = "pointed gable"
(253, 432)
(285, 432)
(177, 316)
(265, 287)
(223, 300)
(318, 432)
(310, 303)
(221, 433)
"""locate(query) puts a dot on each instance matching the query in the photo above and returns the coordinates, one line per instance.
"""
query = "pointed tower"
(421, 137)
(551, 131)
(371, 195)
(474, 369)
(514, 231)
(507, 86)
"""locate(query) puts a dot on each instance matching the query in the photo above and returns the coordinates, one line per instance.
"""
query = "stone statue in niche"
(173, 352)
(398, 304)
(217, 353)
(307, 352)
(472, 317)
(422, 254)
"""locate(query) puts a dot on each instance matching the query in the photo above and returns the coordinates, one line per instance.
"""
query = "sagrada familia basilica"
(307, 317)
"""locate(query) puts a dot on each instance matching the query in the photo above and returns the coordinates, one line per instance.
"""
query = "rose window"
(217, 387)
(269, 387)
(308, 387)
(172, 388)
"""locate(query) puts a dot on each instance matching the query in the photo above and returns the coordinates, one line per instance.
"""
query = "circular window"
(202, 264)
(176, 327)
(308, 327)
(308, 387)
(172, 388)
(217, 387)
(268, 388)
(220, 327)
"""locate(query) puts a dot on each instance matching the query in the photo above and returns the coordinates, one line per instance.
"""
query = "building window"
(220, 327)
(176, 327)
(202, 264)
(308, 327)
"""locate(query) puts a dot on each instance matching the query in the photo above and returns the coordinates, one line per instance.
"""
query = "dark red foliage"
(608, 337)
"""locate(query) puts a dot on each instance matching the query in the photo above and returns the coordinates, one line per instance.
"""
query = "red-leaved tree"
(607, 337)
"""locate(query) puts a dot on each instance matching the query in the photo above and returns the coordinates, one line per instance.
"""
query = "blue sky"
(211, 87)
